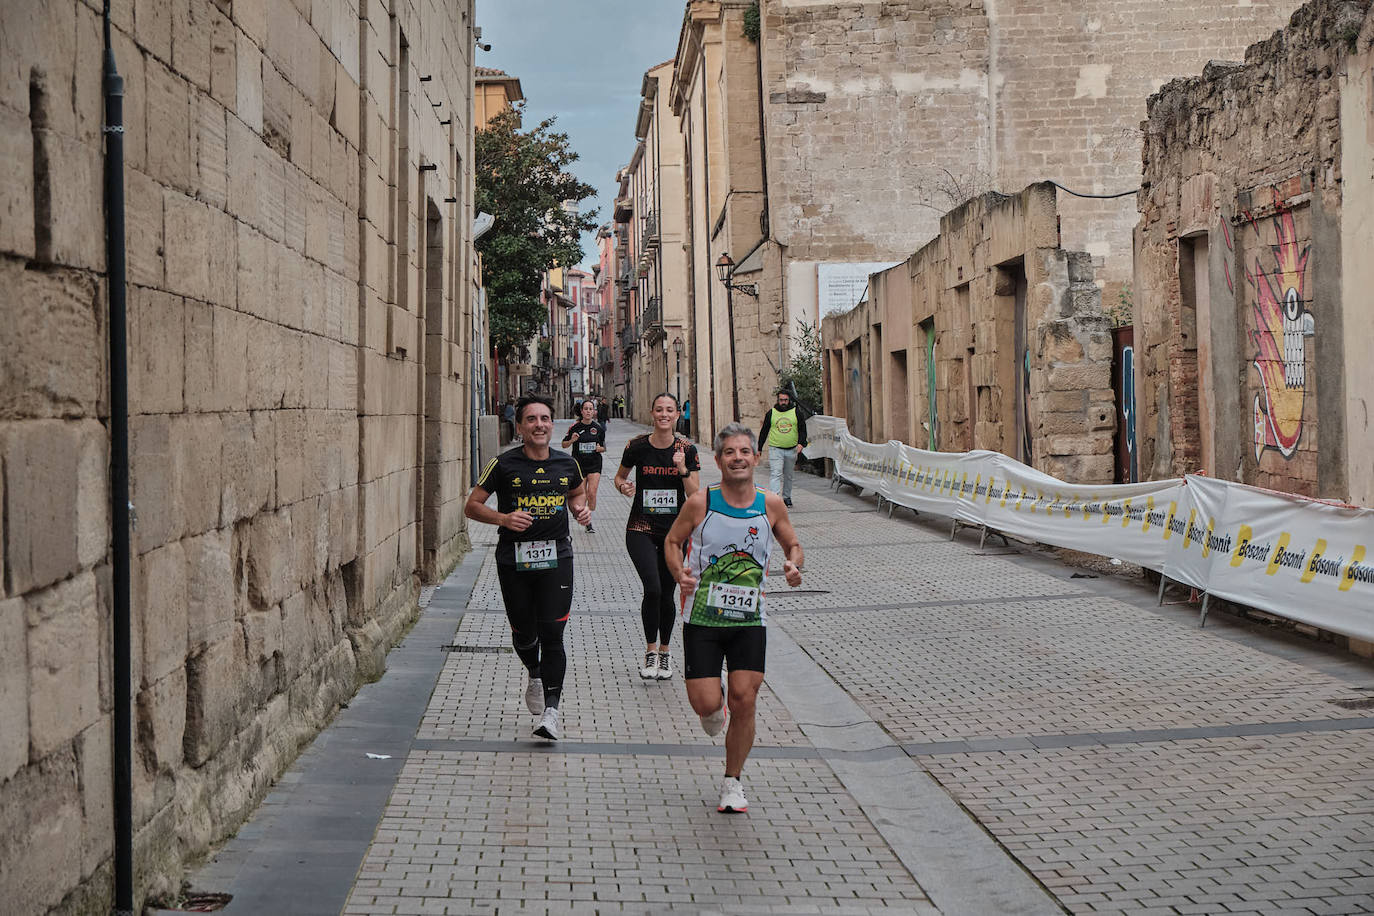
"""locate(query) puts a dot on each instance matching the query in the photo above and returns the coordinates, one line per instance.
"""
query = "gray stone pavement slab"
(939, 724)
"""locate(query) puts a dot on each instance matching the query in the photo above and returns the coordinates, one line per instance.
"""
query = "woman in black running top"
(586, 439)
(665, 466)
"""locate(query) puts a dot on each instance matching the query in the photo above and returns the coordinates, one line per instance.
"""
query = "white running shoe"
(650, 670)
(732, 798)
(665, 666)
(534, 696)
(714, 724)
(548, 725)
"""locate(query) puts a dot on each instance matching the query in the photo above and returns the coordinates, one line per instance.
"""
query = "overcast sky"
(583, 61)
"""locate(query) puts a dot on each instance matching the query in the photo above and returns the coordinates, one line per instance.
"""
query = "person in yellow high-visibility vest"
(784, 434)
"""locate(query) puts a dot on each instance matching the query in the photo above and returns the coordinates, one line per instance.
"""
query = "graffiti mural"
(1282, 324)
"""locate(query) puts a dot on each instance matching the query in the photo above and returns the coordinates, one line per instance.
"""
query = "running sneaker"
(787, 501)
(665, 666)
(548, 726)
(590, 529)
(534, 695)
(732, 798)
(714, 724)
(650, 670)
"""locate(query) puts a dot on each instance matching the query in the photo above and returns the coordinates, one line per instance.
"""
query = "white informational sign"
(1304, 559)
(840, 287)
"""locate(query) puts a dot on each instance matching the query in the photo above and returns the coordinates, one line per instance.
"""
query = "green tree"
(522, 180)
(803, 370)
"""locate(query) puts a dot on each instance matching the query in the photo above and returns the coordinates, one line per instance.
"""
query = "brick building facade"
(1255, 362)
(300, 286)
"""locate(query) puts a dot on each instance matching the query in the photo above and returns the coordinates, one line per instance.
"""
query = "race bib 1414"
(660, 502)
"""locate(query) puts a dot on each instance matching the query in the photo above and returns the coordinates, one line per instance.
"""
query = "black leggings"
(538, 602)
(657, 608)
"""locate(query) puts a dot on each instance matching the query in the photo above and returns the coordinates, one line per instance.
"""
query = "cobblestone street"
(943, 728)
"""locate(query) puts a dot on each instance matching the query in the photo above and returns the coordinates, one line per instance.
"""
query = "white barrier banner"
(1303, 559)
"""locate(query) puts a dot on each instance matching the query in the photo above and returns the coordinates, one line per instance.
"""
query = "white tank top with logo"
(728, 556)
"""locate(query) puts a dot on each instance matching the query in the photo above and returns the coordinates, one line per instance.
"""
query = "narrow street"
(942, 729)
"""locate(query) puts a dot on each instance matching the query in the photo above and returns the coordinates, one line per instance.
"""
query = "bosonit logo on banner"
(1300, 558)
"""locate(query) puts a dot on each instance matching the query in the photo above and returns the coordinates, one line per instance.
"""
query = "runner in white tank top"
(728, 556)
(718, 551)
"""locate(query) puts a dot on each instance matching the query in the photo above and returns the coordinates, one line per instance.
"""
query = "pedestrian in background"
(508, 415)
(587, 440)
(665, 466)
(784, 434)
(685, 424)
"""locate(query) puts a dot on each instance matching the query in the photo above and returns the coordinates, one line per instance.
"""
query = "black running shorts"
(705, 648)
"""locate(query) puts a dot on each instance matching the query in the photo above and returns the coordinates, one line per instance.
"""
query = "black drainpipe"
(706, 233)
(119, 480)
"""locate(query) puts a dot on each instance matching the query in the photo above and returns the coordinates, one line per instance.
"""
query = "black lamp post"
(677, 374)
(725, 270)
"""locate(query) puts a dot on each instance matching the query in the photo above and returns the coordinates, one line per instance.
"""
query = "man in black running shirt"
(536, 489)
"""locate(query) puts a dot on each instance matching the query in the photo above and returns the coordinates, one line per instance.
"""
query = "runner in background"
(587, 440)
(718, 550)
(665, 467)
(536, 488)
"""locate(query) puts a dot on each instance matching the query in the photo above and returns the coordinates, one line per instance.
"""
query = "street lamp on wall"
(725, 269)
(677, 354)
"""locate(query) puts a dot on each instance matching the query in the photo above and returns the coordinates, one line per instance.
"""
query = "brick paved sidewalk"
(1115, 757)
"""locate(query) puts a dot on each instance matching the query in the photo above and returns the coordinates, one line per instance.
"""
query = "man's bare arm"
(674, 545)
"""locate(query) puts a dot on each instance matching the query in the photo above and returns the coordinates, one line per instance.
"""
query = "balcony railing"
(629, 337)
(605, 356)
(650, 237)
(653, 312)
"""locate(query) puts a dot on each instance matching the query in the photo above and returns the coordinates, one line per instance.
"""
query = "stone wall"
(299, 287)
(881, 116)
(997, 292)
(1241, 306)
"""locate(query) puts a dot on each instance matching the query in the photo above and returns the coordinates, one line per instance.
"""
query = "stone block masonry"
(845, 132)
(1253, 362)
(295, 472)
(1022, 352)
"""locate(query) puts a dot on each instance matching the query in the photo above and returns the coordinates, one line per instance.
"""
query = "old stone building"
(715, 94)
(991, 337)
(300, 284)
(1253, 263)
(651, 286)
(830, 147)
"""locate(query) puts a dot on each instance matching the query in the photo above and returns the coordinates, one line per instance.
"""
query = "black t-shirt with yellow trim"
(537, 487)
